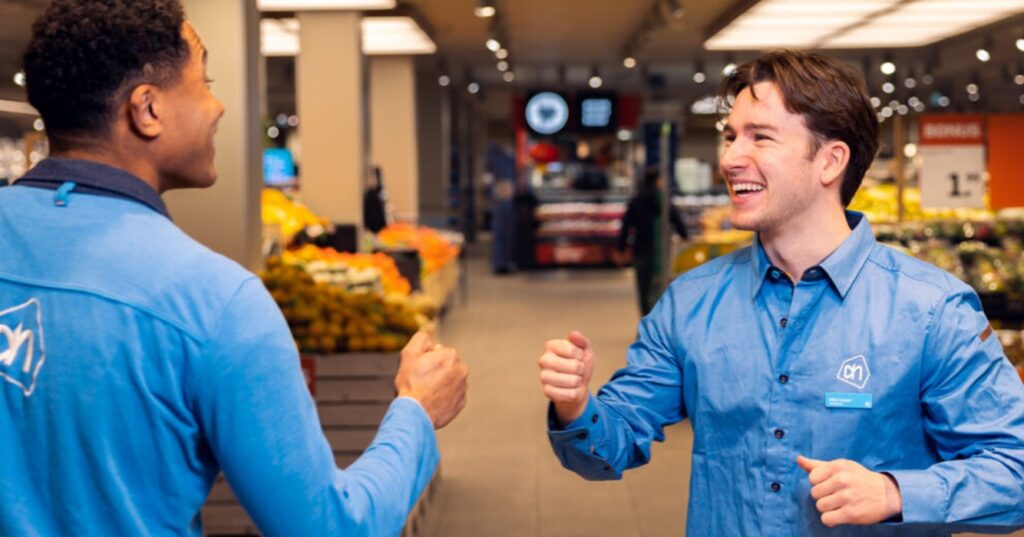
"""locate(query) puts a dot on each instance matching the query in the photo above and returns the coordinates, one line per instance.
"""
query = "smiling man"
(135, 364)
(832, 382)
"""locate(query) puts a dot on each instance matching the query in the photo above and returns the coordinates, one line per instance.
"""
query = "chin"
(743, 222)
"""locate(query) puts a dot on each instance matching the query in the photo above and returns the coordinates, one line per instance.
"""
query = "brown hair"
(830, 95)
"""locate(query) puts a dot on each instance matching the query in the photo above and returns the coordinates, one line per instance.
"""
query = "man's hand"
(435, 376)
(848, 493)
(565, 369)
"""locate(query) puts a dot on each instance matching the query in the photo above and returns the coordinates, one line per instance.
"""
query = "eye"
(209, 81)
(729, 138)
(762, 137)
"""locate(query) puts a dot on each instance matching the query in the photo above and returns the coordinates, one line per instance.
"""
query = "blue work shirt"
(137, 364)
(872, 356)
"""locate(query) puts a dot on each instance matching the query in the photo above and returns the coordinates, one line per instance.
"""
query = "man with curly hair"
(136, 364)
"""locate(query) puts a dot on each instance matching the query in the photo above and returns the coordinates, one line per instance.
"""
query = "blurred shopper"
(643, 224)
(832, 382)
(138, 364)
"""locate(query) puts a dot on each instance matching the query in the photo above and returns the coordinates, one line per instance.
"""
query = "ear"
(143, 111)
(833, 156)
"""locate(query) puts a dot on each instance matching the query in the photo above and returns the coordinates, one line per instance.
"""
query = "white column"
(393, 131)
(226, 217)
(331, 90)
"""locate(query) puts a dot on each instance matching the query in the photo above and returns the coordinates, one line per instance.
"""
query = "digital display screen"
(597, 111)
(278, 166)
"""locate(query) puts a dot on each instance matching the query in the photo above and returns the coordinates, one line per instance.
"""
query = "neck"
(803, 243)
(105, 154)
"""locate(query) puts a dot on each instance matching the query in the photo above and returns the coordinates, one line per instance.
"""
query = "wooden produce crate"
(352, 393)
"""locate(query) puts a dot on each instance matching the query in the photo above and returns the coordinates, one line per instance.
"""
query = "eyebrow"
(761, 127)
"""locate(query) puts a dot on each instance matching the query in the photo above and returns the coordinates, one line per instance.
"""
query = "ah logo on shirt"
(22, 352)
(854, 371)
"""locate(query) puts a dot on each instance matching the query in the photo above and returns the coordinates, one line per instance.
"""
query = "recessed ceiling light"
(888, 87)
(493, 45)
(629, 62)
(699, 77)
(485, 9)
(887, 68)
(473, 88)
(501, 53)
(508, 76)
(595, 82)
(983, 55)
(444, 81)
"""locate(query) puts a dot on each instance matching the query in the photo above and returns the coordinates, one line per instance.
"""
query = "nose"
(734, 158)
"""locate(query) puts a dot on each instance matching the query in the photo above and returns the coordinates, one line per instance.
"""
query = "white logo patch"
(22, 352)
(854, 371)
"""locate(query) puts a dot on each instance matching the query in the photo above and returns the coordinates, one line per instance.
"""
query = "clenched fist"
(848, 493)
(565, 369)
(435, 376)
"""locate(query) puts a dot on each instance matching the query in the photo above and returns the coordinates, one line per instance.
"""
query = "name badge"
(861, 401)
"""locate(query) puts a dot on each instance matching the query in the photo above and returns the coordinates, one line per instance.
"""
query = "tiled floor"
(500, 478)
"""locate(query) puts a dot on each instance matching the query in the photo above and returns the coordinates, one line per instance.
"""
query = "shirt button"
(783, 322)
(593, 419)
(582, 436)
(776, 274)
(776, 487)
(779, 433)
(783, 379)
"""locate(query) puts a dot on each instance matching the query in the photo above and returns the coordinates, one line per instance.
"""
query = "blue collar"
(93, 178)
(841, 267)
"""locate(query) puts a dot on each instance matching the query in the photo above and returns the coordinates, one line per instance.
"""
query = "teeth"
(747, 187)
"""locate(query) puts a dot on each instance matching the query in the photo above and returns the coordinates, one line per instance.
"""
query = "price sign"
(953, 154)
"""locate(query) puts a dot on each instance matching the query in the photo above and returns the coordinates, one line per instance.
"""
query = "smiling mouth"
(745, 190)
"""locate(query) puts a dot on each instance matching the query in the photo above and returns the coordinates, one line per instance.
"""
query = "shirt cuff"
(923, 494)
(422, 411)
(586, 419)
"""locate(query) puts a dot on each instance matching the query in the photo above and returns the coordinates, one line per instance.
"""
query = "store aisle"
(500, 477)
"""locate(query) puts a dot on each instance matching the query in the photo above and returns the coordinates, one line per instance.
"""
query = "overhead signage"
(547, 112)
(953, 169)
(597, 111)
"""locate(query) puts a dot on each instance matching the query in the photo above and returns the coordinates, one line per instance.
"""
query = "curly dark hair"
(830, 95)
(85, 55)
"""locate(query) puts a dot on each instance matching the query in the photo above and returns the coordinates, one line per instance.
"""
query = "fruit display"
(879, 204)
(325, 318)
(435, 249)
(709, 246)
(288, 214)
(355, 272)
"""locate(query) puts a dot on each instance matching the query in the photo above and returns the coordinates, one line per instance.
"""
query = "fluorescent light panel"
(857, 23)
(322, 5)
(17, 107)
(381, 36)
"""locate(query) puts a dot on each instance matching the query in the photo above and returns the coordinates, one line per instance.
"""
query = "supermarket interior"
(465, 168)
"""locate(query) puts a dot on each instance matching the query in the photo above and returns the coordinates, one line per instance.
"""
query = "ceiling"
(562, 42)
